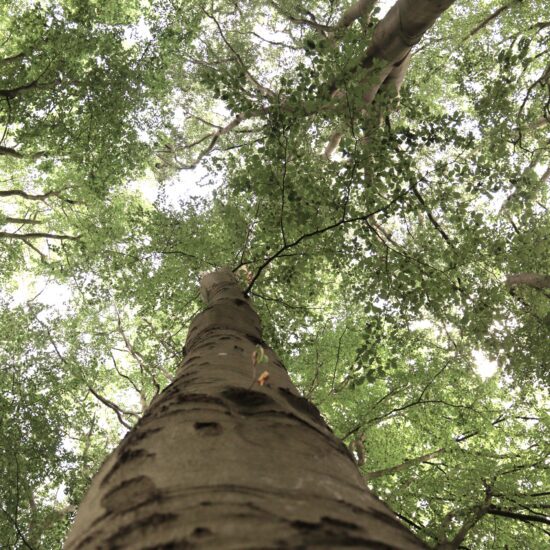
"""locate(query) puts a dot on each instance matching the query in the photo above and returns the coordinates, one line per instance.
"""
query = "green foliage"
(379, 273)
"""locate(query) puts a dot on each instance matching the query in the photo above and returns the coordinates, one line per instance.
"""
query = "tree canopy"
(380, 181)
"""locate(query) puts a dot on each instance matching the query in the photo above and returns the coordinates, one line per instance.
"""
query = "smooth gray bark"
(222, 461)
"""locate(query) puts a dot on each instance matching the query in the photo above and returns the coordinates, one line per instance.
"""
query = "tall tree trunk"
(227, 458)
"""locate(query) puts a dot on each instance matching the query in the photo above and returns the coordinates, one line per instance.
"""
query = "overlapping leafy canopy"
(375, 233)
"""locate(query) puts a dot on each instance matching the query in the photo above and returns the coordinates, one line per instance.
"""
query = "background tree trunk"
(220, 460)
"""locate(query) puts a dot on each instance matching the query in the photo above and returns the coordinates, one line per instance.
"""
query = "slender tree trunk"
(227, 457)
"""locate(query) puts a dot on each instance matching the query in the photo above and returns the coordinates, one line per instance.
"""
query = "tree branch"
(17, 529)
(488, 19)
(39, 235)
(433, 221)
(11, 58)
(528, 518)
(14, 92)
(300, 21)
(403, 465)
(409, 521)
(138, 357)
(22, 221)
(360, 9)
(330, 227)
(118, 411)
(469, 523)
(214, 137)
(392, 41)
(265, 91)
(10, 152)
(332, 144)
(533, 280)
(402, 28)
(43, 257)
(30, 197)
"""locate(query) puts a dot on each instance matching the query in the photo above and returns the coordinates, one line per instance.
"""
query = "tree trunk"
(225, 458)
(533, 280)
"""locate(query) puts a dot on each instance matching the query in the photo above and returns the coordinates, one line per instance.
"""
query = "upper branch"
(118, 411)
(22, 221)
(402, 28)
(533, 280)
(528, 518)
(37, 235)
(302, 21)
(359, 10)
(213, 138)
(27, 196)
(491, 17)
(322, 230)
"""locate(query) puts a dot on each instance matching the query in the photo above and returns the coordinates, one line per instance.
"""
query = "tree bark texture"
(533, 280)
(402, 28)
(394, 36)
(221, 461)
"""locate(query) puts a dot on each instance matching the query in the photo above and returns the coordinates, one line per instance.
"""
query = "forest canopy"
(379, 180)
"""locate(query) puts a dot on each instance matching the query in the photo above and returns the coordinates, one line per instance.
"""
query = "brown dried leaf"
(263, 378)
